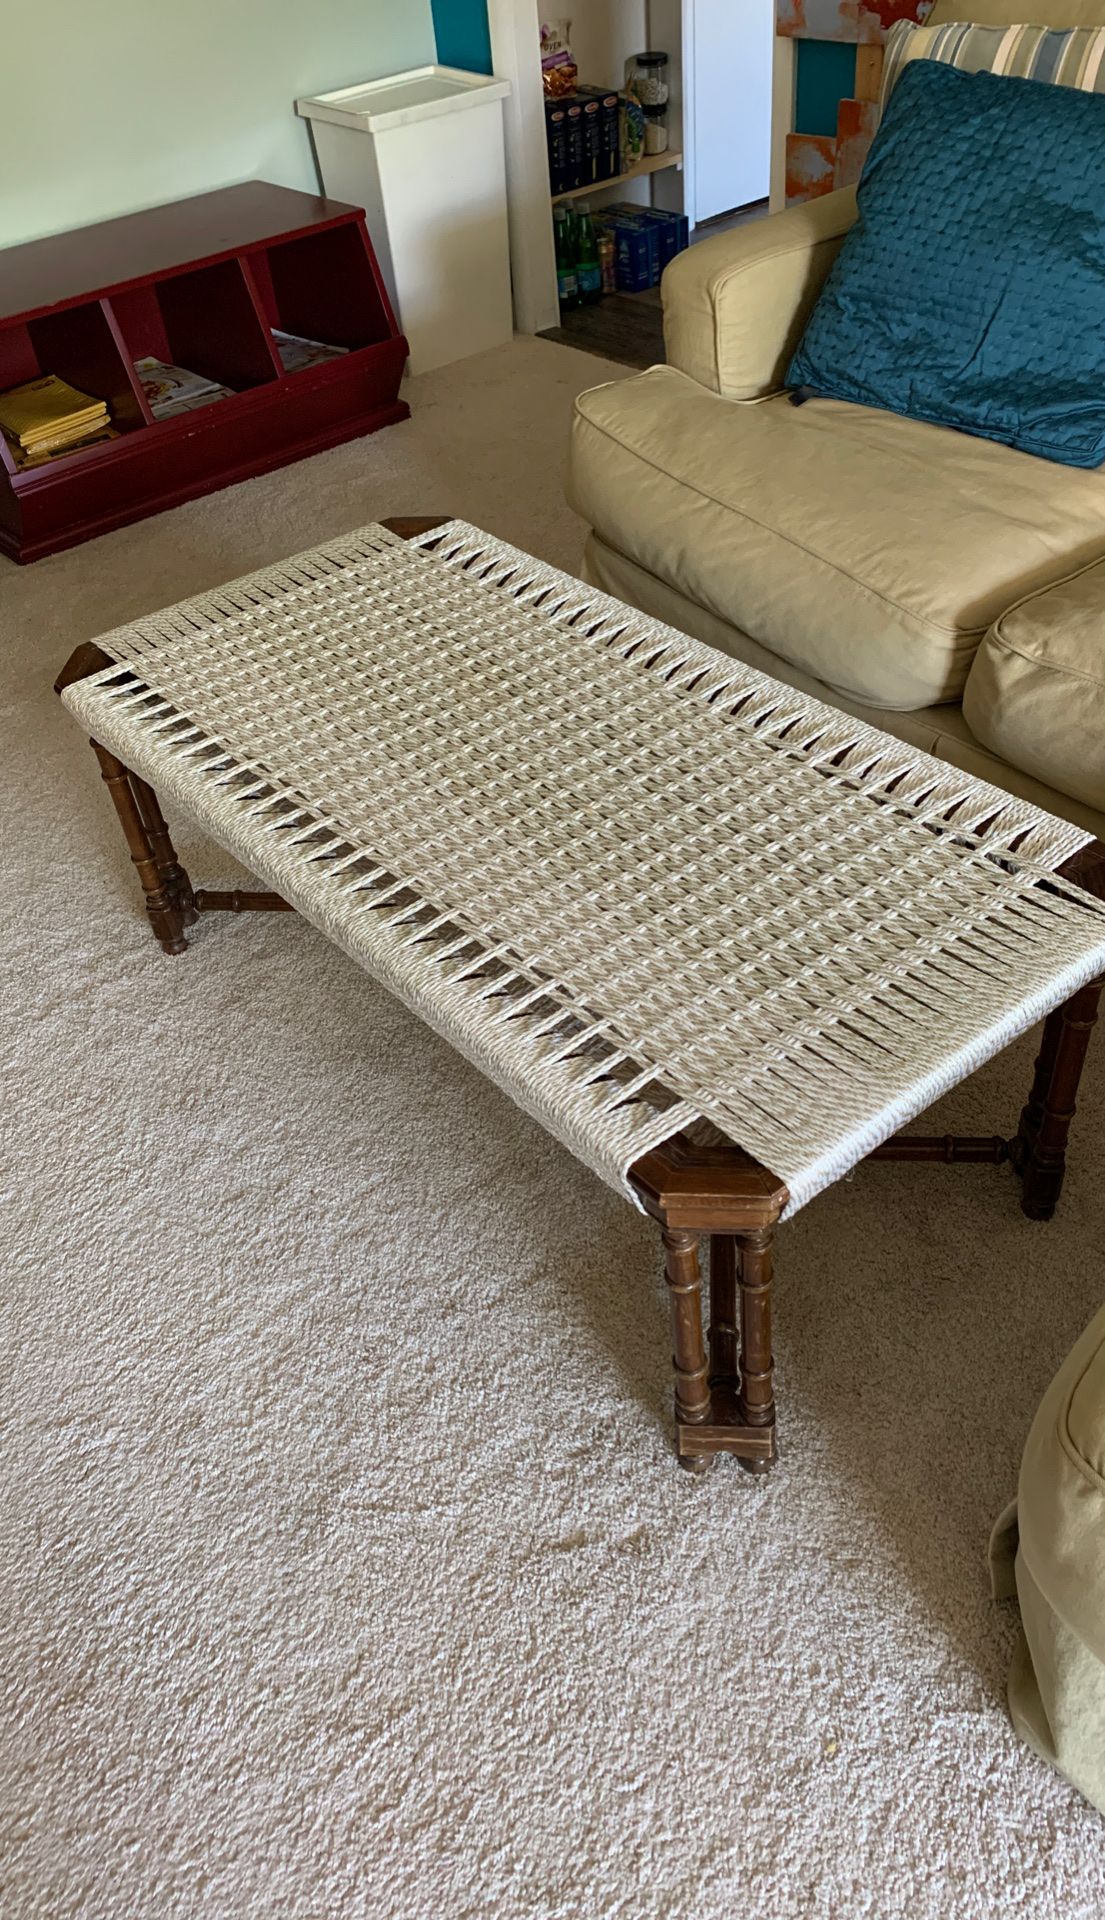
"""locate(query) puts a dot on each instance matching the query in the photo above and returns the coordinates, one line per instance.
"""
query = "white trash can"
(422, 152)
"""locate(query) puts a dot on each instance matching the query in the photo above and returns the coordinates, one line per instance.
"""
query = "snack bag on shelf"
(632, 131)
(559, 72)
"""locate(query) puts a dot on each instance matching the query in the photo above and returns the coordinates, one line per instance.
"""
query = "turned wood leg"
(1040, 1147)
(165, 914)
(173, 877)
(723, 1309)
(1033, 1110)
(756, 1398)
(692, 1389)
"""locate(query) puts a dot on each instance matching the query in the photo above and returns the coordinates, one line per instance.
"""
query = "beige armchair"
(948, 589)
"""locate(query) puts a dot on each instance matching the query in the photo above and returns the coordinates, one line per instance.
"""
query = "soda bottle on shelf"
(588, 270)
(567, 278)
(607, 265)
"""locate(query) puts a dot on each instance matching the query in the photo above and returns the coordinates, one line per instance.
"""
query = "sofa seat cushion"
(1036, 690)
(869, 550)
(939, 730)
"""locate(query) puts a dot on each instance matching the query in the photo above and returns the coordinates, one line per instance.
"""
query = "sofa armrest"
(735, 307)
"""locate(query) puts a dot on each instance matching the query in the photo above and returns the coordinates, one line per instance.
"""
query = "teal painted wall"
(826, 75)
(463, 39)
(123, 105)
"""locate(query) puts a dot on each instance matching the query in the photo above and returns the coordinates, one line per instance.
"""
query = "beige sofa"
(946, 588)
(1048, 1553)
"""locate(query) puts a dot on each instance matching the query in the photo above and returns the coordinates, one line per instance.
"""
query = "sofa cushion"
(939, 730)
(959, 296)
(869, 550)
(1057, 57)
(1036, 690)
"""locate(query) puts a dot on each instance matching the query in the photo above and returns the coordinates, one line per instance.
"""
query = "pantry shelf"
(650, 163)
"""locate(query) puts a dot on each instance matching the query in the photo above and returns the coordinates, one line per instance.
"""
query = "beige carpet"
(346, 1567)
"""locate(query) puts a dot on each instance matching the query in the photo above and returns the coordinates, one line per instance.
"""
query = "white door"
(732, 57)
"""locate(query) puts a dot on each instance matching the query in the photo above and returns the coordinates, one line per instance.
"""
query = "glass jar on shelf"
(656, 129)
(646, 77)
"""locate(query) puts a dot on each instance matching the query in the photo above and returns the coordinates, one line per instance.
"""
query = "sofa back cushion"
(1070, 58)
(971, 291)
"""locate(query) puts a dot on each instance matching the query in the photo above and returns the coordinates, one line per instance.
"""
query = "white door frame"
(670, 23)
(515, 40)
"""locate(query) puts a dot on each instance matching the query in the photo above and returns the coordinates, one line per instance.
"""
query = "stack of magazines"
(297, 352)
(171, 390)
(46, 418)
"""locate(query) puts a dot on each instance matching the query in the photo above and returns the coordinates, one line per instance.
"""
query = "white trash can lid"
(421, 94)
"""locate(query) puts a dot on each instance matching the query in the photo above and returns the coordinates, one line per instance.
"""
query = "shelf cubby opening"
(321, 287)
(79, 345)
(205, 322)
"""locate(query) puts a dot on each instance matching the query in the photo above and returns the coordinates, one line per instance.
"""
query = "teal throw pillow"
(971, 291)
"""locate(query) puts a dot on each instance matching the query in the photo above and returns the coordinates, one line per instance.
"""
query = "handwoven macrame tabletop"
(635, 881)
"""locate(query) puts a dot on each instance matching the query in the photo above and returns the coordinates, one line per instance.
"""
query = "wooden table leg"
(173, 877)
(166, 917)
(723, 1310)
(723, 1403)
(1039, 1151)
(1033, 1110)
(756, 1399)
(693, 1405)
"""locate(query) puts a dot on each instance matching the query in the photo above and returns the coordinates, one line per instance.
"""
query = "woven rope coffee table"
(721, 941)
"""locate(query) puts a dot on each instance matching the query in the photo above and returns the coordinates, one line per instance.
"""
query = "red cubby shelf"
(200, 283)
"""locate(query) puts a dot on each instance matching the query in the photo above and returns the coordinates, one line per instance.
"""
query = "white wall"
(113, 105)
(604, 33)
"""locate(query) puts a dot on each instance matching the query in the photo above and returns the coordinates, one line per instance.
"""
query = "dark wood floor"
(621, 326)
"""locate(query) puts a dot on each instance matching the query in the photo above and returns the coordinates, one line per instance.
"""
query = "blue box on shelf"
(673, 229)
(636, 248)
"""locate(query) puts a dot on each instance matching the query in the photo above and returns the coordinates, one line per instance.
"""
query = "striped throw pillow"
(1069, 59)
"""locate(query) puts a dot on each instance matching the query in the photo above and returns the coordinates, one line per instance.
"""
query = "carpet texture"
(346, 1568)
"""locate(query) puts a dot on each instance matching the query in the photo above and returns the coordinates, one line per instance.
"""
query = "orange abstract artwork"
(865, 21)
(811, 162)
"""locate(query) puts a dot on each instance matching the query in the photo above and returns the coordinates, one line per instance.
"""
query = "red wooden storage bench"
(200, 284)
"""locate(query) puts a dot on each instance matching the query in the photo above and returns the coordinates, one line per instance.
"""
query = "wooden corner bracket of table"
(695, 1182)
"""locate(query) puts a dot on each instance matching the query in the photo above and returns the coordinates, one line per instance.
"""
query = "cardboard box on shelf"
(636, 248)
(582, 132)
(673, 229)
(603, 145)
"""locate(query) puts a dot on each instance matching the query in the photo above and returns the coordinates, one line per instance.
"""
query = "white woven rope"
(634, 881)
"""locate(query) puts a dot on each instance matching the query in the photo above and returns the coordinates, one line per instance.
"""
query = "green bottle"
(588, 266)
(567, 280)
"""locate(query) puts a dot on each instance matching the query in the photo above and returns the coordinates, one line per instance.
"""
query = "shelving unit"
(199, 284)
(651, 163)
(604, 33)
